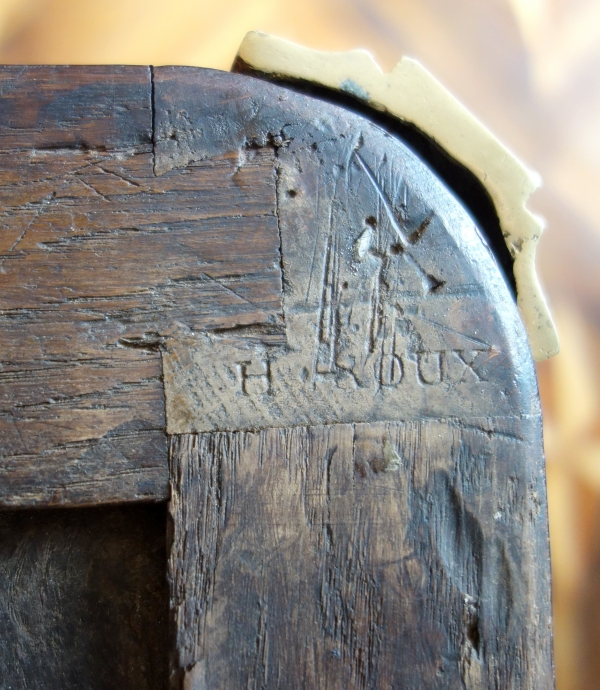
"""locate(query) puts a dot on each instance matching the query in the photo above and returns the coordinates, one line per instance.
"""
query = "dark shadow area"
(84, 599)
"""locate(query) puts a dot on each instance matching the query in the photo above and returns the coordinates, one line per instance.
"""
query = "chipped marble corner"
(413, 95)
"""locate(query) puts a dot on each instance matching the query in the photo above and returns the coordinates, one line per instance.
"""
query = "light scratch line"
(384, 200)
(233, 292)
(451, 330)
(43, 205)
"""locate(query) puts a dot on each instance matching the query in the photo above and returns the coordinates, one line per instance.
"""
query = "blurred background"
(530, 69)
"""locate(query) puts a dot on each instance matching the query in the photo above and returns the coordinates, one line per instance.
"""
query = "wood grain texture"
(398, 554)
(83, 601)
(100, 261)
(360, 556)
(392, 303)
(394, 535)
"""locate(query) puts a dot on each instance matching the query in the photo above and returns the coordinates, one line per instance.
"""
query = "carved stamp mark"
(468, 358)
(373, 330)
(433, 368)
(288, 386)
(430, 370)
(255, 377)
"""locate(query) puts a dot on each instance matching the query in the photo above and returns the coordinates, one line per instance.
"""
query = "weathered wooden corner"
(265, 310)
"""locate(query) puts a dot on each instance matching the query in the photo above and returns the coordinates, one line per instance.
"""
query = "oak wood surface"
(326, 554)
(321, 558)
(100, 261)
(267, 309)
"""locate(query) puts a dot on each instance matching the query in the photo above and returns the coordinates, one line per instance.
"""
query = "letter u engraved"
(429, 368)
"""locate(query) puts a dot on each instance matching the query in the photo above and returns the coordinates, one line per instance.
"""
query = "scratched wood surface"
(100, 260)
(357, 556)
(316, 541)
(267, 309)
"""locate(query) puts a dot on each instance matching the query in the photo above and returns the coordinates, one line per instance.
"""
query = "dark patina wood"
(84, 599)
(100, 261)
(263, 307)
(314, 558)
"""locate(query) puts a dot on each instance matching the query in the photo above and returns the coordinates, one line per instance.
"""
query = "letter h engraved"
(255, 377)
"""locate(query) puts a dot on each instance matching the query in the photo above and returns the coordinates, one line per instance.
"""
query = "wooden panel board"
(100, 261)
(360, 556)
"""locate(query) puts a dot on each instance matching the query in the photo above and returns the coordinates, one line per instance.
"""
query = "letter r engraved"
(255, 377)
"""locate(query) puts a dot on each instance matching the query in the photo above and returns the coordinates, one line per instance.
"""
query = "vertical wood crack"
(153, 109)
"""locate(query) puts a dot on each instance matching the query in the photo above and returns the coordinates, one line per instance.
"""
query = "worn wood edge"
(410, 93)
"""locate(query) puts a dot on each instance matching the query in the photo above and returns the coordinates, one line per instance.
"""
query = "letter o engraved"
(392, 370)
(386, 292)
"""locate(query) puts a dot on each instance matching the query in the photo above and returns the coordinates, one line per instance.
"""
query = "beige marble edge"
(413, 95)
